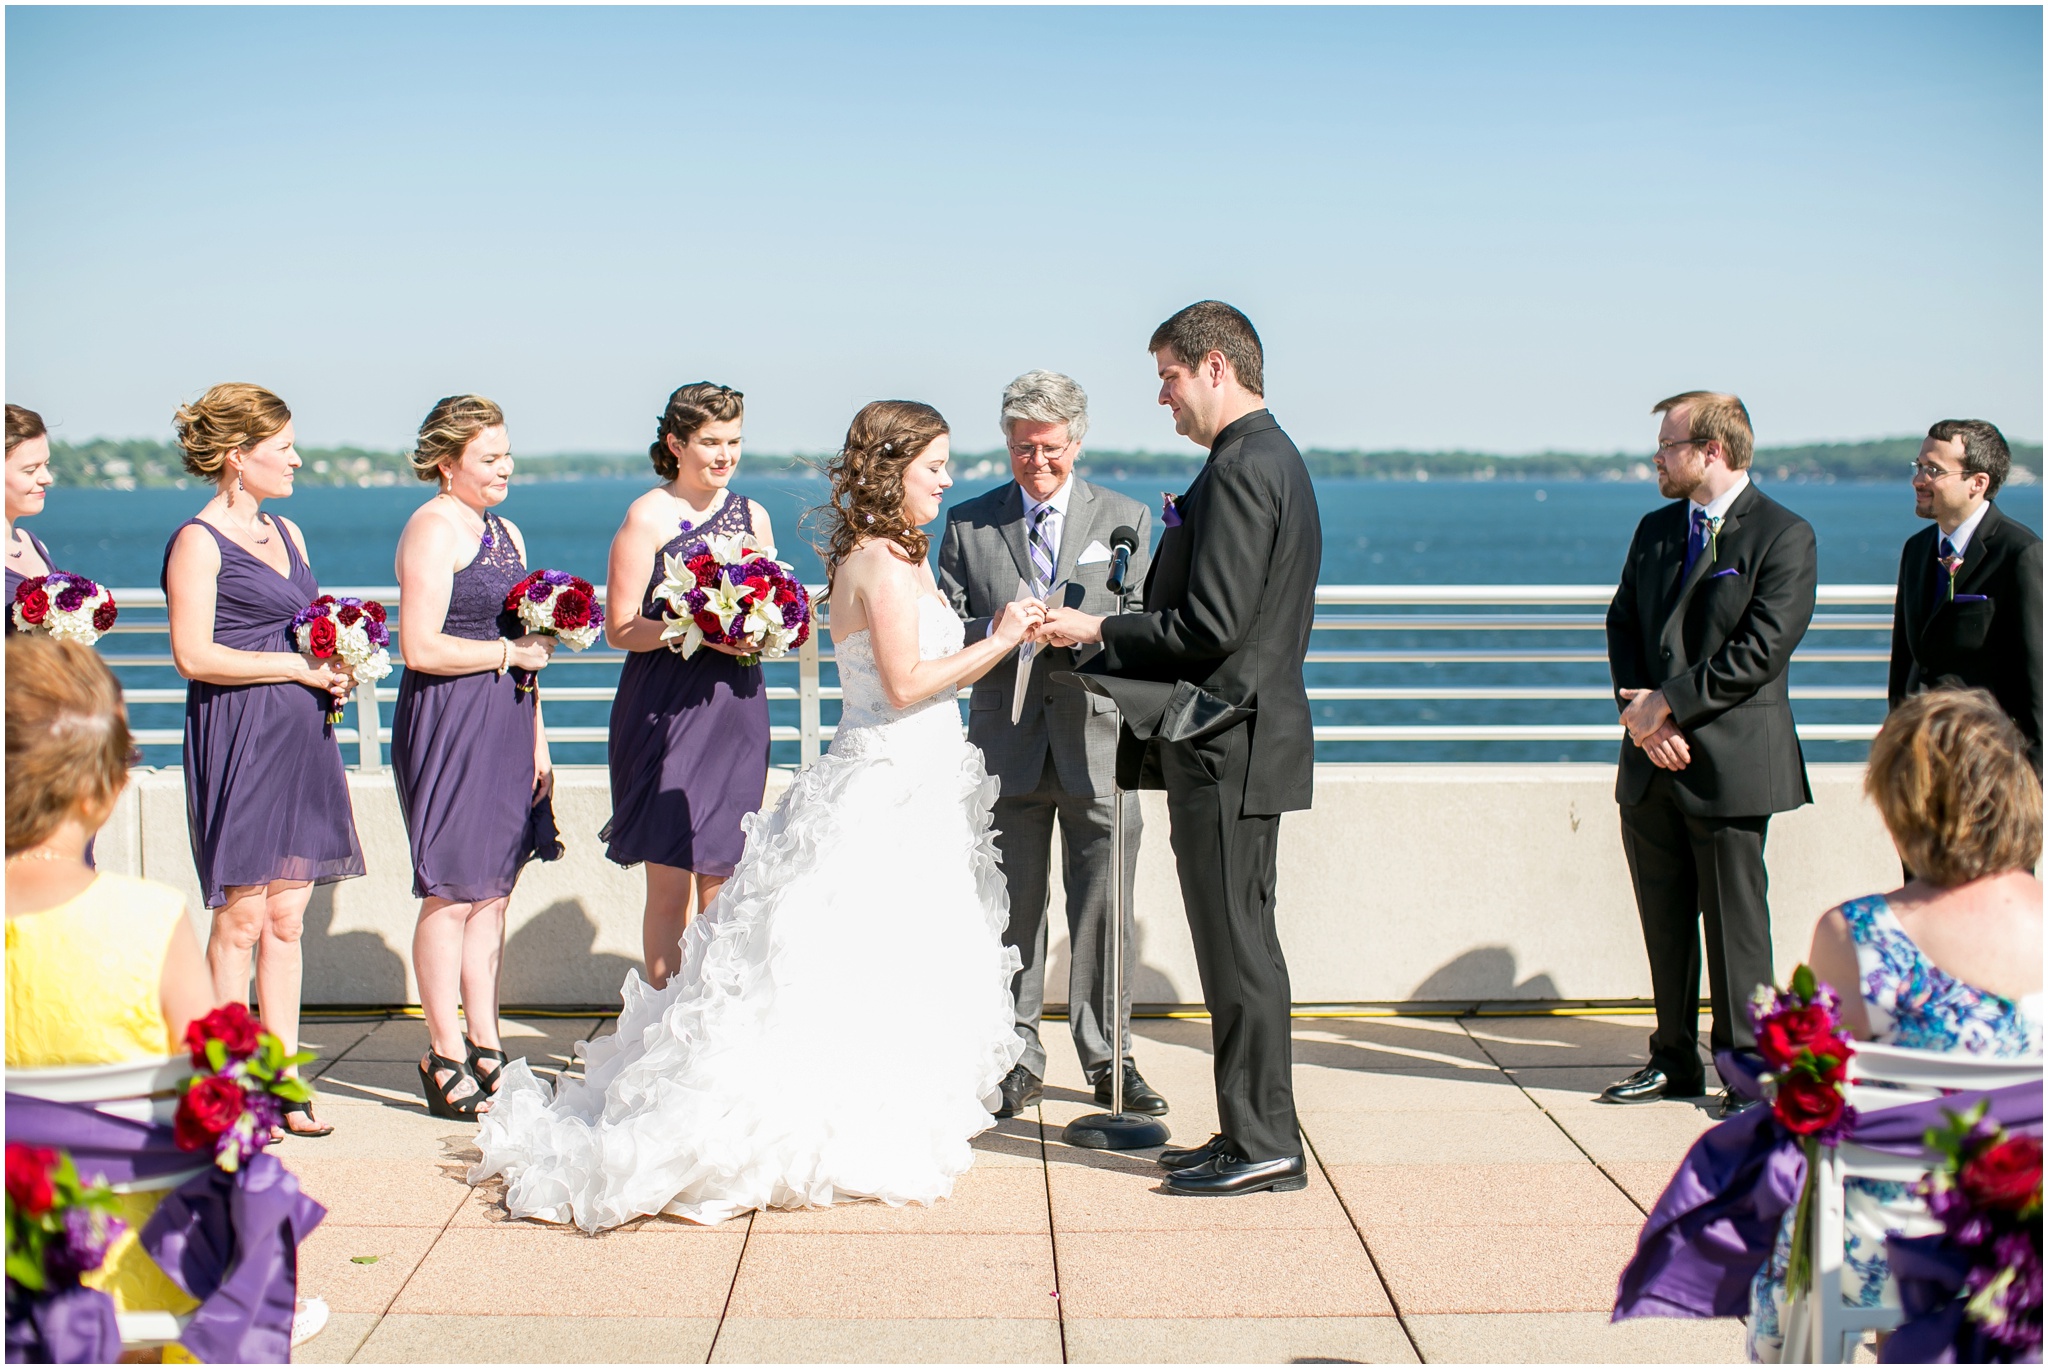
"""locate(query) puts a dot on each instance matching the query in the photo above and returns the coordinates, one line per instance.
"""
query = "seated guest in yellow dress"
(102, 969)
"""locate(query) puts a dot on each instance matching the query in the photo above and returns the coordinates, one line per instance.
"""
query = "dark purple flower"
(696, 599)
(378, 634)
(556, 577)
(539, 591)
(596, 614)
(70, 599)
(83, 1247)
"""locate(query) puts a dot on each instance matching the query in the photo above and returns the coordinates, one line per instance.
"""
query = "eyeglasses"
(1931, 473)
(1032, 453)
(1666, 444)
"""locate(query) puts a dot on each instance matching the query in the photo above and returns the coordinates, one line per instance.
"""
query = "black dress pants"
(1685, 868)
(1228, 864)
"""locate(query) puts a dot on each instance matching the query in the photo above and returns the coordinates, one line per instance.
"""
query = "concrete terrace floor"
(1468, 1202)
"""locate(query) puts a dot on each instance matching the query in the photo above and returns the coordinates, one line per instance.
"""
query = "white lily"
(687, 632)
(677, 580)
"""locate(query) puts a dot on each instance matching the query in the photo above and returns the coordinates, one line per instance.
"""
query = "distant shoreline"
(136, 464)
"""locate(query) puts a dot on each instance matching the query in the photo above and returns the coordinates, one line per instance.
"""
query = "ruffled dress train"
(841, 1020)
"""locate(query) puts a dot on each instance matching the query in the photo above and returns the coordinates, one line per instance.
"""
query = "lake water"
(1374, 532)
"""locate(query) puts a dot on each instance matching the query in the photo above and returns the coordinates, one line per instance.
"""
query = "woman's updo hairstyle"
(690, 408)
(228, 418)
(450, 426)
(1950, 777)
(23, 425)
(867, 478)
(67, 738)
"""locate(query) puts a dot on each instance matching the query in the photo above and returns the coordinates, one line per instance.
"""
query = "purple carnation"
(84, 1245)
(378, 634)
(596, 614)
(696, 599)
(792, 616)
(70, 599)
(556, 577)
(539, 591)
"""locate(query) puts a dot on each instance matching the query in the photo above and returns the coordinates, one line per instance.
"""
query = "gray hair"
(1046, 397)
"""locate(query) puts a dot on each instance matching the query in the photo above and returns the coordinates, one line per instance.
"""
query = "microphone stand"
(1116, 1129)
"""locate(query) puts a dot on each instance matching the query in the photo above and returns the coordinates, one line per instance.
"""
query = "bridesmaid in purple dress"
(468, 748)
(28, 477)
(689, 739)
(265, 791)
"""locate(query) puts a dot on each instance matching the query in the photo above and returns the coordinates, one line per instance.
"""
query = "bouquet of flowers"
(732, 591)
(57, 1227)
(352, 629)
(559, 605)
(1799, 1034)
(61, 604)
(1986, 1192)
(238, 1096)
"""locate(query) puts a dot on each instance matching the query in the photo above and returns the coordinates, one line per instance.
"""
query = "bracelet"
(504, 653)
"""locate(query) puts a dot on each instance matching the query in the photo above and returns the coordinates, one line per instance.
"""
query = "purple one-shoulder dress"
(462, 747)
(265, 792)
(689, 740)
(15, 577)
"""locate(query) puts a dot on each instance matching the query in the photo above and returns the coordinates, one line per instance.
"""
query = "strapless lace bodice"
(939, 633)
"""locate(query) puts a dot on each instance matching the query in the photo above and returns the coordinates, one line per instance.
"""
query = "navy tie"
(1697, 543)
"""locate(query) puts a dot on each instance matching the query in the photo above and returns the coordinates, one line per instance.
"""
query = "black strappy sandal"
(439, 1104)
(305, 1109)
(479, 1056)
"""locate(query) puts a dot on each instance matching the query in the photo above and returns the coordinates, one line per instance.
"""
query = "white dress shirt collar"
(1061, 497)
(1960, 538)
(1719, 507)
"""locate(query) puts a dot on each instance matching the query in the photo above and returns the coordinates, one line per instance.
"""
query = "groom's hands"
(1069, 627)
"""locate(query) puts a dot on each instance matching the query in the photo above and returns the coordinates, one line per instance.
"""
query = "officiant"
(1052, 749)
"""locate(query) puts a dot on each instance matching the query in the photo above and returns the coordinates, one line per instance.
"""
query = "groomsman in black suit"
(1716, 593)
(1229, 602)
(1968, 610)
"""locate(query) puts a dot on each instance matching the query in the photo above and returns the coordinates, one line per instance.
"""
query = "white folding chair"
(142, 1091)
(1880, 1077)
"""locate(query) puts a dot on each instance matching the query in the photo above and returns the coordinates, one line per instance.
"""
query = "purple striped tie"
(1041, 552)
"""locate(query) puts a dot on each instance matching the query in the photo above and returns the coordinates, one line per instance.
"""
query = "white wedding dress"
(842, 1018)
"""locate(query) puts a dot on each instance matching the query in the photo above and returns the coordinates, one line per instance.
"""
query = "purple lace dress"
(15, 577)
(265, 792)
(462, 747)
(689, 741)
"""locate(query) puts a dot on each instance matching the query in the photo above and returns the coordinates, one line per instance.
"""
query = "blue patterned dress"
(1911, 1002)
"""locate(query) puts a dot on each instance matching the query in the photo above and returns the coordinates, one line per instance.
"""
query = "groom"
(1229, 602)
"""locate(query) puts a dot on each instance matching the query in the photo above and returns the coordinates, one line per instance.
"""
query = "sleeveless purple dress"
(462, 747)
(15, 577)
(689, 741)
(265, 791)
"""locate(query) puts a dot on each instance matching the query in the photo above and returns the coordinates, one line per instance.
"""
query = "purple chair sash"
(1719, 1217)
(72, 1325)
(229, 1240)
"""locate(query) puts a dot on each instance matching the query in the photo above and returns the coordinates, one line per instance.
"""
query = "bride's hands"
(1017, 621)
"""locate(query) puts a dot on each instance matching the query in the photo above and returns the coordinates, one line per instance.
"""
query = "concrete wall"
(1405, 883)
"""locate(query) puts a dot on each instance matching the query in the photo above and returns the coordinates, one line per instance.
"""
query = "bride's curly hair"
(867, 479)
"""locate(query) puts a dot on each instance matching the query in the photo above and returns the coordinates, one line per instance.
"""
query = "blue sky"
(1508, 229)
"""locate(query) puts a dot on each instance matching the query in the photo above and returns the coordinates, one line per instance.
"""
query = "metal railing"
(1514, 613)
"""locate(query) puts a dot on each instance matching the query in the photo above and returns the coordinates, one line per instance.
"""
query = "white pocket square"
(1096, 552)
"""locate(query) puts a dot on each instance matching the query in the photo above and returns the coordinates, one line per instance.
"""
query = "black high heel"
(439, 1104)
(480, 1056)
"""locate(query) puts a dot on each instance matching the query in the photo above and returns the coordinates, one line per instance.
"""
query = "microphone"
(1122, 543)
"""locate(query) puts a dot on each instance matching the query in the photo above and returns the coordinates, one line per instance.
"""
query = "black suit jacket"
(1718, 646)
(1990, 643)
(1229, 602)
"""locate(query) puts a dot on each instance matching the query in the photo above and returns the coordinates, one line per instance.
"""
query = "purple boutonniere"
(1951, 564)
(1169, 512)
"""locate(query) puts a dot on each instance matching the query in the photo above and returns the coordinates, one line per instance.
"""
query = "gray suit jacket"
(981, 558)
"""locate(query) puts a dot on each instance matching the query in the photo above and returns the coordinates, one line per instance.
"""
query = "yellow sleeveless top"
(84, 987)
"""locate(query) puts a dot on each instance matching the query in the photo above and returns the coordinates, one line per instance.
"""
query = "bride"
(841, 1019)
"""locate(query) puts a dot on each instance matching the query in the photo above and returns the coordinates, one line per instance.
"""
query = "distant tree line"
(128, 465)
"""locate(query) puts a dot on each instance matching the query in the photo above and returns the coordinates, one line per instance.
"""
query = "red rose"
(103, 616)
(572, 609)
(28, 1179)
(710, 625)
(1806, 1105)
(374, 609)
(2006, 1175)
(324, 599)
(785, 593)
(35, 605)
(229, 1024)
(208, 1108)
(320, 637)
(349, 615)
(1782, 1034)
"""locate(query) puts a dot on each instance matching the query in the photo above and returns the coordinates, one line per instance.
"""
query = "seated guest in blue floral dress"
(1951, 962)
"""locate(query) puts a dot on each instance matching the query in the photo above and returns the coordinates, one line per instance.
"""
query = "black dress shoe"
(1181, 1157)
(1729, 1103)
(1139, 1096)
(1021, 1088)
(1651, 1083)
(1224, 1175)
